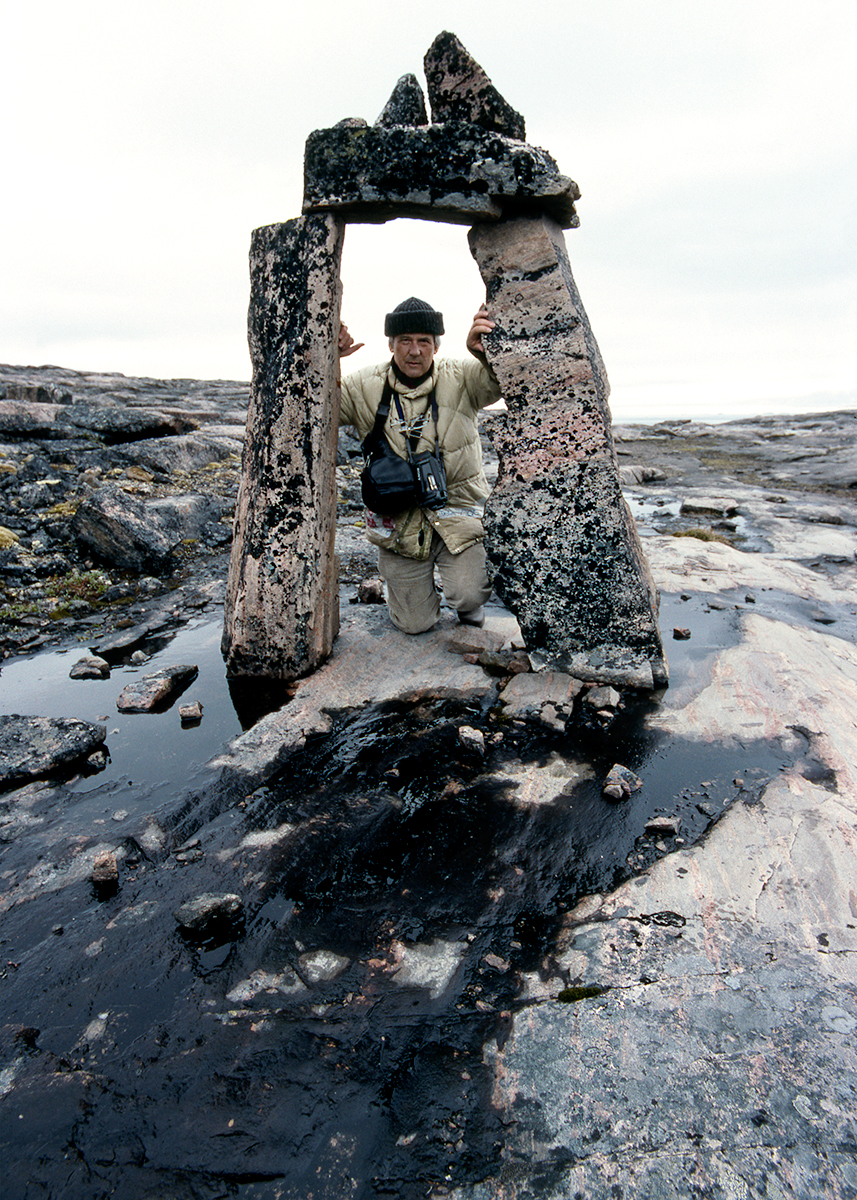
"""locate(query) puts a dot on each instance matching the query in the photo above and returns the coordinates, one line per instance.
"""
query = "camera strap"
(376, 435)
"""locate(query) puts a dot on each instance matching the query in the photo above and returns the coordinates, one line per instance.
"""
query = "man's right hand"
(347, 344)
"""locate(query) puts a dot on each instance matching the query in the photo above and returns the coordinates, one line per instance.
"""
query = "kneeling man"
(410, 543)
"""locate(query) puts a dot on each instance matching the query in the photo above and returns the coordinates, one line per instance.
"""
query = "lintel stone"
(458, 173)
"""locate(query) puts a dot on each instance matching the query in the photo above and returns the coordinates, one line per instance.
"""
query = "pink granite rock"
(561, 541)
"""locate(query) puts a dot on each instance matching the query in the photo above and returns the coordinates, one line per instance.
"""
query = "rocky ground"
(395, 938)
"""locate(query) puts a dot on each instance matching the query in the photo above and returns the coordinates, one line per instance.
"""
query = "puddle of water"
(147, 750)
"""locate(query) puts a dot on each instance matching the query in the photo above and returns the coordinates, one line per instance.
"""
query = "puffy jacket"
(461, 389)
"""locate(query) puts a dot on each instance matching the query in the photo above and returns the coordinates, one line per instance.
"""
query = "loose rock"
(144, 694)
(201, 915)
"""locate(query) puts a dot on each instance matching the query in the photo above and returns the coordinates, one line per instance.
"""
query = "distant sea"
(671, 408)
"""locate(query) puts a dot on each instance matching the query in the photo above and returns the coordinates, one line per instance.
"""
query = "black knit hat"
(413, 316)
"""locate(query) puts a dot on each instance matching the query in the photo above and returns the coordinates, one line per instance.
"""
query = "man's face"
(413, 353)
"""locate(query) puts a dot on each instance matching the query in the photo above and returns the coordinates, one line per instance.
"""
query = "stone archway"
(563, 546)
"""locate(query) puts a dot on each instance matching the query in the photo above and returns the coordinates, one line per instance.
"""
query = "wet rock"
(472, 739)
(708, 507)
(630, 475)
(190, 712)
(91, 667)
(320, 966)
(663, 826)
(152, 690)
(406, 105)
(206, 912)
(681, 633)
(33, 746)
(105, 874)
(602, 698)
(282, 604)
(620, 783)
(123, 530)
(460, 91)
(546, 695)
(562, 545)
(451, 173)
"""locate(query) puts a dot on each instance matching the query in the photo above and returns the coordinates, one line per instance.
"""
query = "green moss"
(703, 535)
(585, 991)
(79, 585)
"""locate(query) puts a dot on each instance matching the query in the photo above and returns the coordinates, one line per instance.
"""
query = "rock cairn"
(563, 545)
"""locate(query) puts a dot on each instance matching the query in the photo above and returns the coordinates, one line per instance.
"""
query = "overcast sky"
(713, 143)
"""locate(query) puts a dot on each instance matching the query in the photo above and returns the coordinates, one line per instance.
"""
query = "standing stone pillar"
(282, 600)
(562, 544)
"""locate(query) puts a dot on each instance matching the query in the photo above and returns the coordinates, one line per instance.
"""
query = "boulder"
(123, 530)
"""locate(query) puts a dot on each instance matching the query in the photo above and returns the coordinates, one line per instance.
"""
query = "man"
(412, 542)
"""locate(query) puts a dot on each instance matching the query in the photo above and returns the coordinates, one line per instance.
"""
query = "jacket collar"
(413, 391)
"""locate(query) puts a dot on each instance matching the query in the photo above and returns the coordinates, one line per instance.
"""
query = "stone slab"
(452, 173)
(562, 545)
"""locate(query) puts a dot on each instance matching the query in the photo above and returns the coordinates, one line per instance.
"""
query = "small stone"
(665, 826)
(200, 915)
(91, 667)
(138, 658)
(371, 591)
(145, 694)
(190, 712)
(620, 782)
(472, 739)
(105, 873)
(681, 635)
(602, 697)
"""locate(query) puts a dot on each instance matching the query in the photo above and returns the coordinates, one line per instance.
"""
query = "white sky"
(714, 144)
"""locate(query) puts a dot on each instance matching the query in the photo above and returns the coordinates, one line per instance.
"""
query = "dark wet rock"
(620, 783)
(105, 874)
(451, 173)
(709, 506)
(200, 916)
(33, 746)
(148, 693)
(681, 633)
(406, 105)
(460, 91)
(124, 531)
(92, 667)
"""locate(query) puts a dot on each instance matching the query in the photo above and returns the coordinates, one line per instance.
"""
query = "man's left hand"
(482, 324)
(347, 344)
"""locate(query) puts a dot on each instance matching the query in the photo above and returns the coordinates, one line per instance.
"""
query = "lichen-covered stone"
(454, 173)
(459, 90)
(406, 105)
(561, 541)
(33, 746)
(282, 604)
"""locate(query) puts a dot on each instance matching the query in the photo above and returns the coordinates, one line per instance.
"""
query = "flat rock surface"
(462, 969)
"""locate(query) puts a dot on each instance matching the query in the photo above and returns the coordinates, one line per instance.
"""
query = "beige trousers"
(412, 597)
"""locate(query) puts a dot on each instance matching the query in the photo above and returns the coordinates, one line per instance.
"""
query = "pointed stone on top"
(459, 90)
(406, 105)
